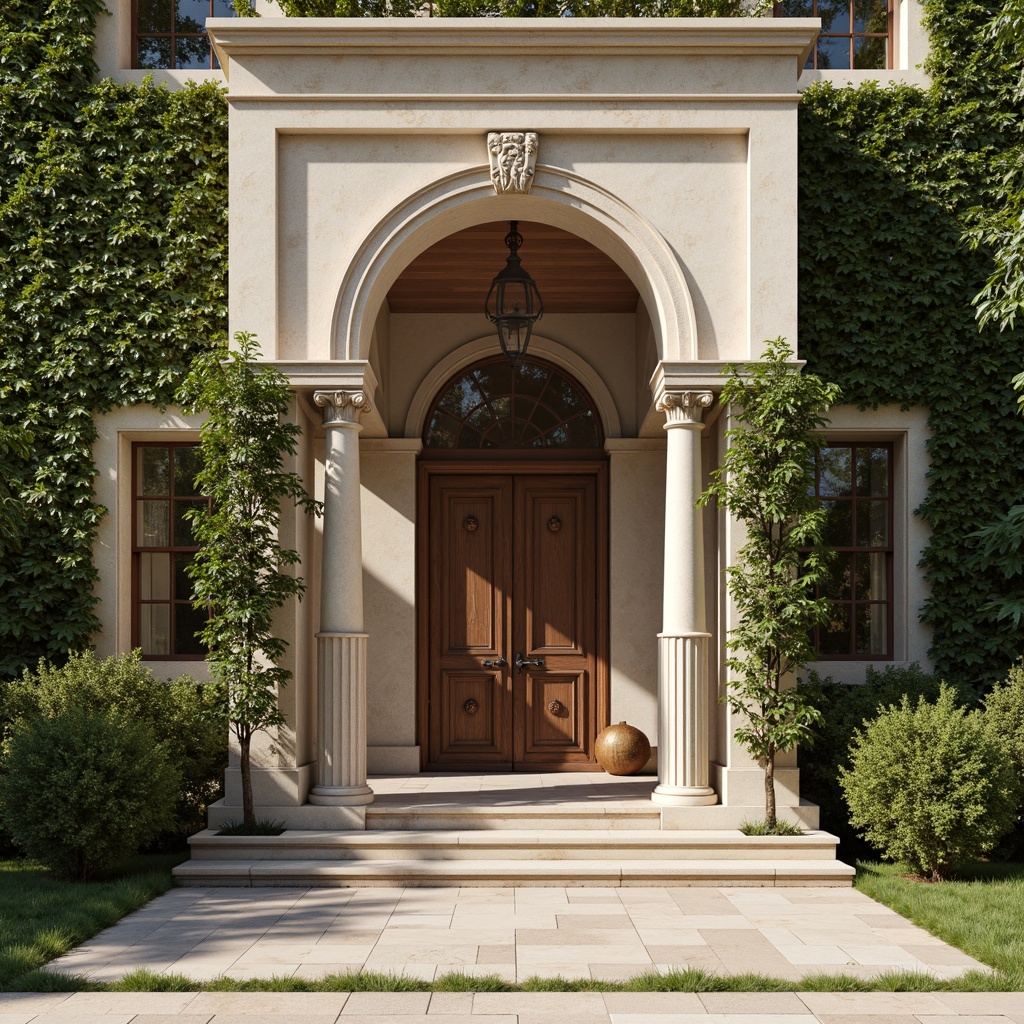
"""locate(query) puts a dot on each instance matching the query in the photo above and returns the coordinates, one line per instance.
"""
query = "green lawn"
(982, 913)
(41, 918)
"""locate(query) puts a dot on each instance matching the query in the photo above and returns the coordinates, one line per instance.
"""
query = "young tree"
(241, 570)
(766, 481)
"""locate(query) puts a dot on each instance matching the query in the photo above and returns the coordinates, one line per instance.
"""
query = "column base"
(684, 796)
(340, 796)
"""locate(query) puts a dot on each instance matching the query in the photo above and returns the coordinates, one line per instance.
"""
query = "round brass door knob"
(470, 707)
(622, 749)
(555, 706)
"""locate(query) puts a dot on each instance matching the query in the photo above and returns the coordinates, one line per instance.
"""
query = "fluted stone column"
(341, 642)
(683, 642)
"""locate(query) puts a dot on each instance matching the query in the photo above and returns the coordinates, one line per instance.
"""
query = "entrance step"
(497, 844)
(515, 857)
(391, 873)
(466, 817)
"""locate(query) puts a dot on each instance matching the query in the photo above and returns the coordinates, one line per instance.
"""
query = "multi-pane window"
(493, 405)
(854, 484)
(164, 622)
(855, 34)
(172, 33)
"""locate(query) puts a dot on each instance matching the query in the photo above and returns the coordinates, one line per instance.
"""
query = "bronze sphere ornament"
(622, 749)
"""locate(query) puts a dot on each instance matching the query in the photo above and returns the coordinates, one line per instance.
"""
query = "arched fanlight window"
(494, 406)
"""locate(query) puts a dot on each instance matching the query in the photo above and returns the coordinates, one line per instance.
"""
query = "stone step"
(498, 844)
(462, 817)
(623, 872)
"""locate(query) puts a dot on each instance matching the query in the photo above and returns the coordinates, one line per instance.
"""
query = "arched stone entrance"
(513, 558)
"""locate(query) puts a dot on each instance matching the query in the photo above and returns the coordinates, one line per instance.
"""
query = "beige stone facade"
(356, 146)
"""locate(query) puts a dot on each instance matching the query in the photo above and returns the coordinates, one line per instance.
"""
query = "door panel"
(555, 602)
(513, 567)
(470, 566)
(555, 711)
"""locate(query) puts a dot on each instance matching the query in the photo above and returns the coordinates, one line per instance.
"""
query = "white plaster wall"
(701, 209)
(388, 478)
(636, 555)
(333, 189)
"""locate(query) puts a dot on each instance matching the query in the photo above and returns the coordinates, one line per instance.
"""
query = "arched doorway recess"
(513, 591)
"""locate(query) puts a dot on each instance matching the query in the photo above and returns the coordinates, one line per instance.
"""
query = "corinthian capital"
(342, 407)
(682, 408)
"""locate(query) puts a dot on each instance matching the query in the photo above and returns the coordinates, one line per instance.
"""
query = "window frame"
(852, 35)
(890, 551)
(212, 63)
(137, 550)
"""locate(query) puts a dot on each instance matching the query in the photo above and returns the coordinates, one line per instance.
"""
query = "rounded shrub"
(79, 791)
(1004, 716)
(928, 785)
(182, 713)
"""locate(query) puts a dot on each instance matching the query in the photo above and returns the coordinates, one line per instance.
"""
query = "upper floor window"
(855, 34)
(164, 623)
(855, 484)
(172, 33)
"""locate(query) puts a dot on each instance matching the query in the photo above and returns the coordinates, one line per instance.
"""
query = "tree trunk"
(248, 813)
(769, 793)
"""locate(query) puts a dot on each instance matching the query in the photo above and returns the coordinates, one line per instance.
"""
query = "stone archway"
(558, 197)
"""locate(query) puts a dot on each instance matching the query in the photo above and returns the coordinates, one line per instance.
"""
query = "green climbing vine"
(113, 204)
(113, 216)
(891, 181)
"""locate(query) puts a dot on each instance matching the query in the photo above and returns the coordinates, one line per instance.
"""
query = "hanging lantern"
(513, 304)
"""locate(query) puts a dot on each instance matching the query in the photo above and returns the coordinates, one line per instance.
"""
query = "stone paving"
(516, 933)
(513, 1008)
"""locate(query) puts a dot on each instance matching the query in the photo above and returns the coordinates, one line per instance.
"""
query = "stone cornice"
(498, 37)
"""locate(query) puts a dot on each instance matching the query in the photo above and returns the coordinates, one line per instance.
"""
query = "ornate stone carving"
(682, 407)
(341, 407)
(513, 157)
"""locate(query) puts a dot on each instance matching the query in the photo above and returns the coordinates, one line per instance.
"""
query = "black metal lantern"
(513, 304)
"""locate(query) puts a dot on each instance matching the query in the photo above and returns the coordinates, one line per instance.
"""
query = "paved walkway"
(515, 933)
(610, 934)
(514, 1008)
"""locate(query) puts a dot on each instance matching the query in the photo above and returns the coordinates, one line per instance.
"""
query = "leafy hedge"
(113, 274)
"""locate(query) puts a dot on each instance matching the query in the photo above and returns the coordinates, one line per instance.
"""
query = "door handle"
(521, 662)
(496, 663)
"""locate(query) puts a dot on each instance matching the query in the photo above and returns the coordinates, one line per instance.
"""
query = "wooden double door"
(514, 581)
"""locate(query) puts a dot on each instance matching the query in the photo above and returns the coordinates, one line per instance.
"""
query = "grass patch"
(760, 828)
(42, 918)
(683, 980)
(458, 981)
(260, 827)
(981, 911)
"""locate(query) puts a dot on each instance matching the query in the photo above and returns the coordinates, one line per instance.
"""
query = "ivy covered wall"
(890, 181)
(113, 231)
(113, 264)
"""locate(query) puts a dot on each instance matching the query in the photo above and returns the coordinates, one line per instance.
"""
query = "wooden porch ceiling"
(454, 275)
